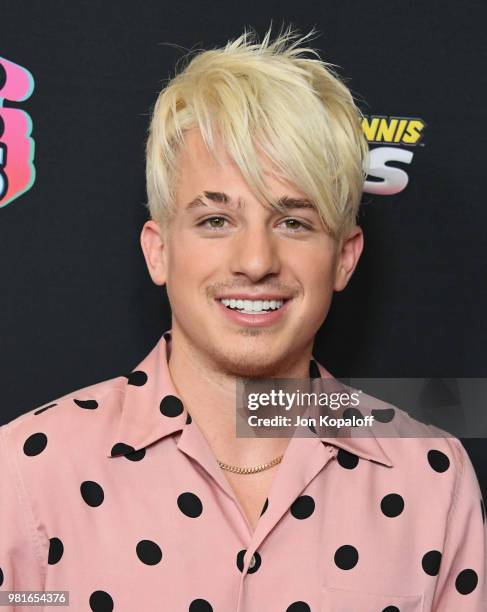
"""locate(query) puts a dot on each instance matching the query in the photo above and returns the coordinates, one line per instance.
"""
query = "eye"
(294, 225)
(214, 223)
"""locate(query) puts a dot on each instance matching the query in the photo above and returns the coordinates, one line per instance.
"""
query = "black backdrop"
(78, 305)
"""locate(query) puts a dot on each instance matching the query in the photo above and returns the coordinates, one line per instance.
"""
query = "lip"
(254, 320)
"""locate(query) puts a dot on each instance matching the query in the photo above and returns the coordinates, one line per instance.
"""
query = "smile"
(252, 306)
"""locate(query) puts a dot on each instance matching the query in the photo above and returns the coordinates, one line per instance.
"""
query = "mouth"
(253, 307)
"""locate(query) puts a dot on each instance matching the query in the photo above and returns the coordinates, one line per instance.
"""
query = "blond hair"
(266, 97)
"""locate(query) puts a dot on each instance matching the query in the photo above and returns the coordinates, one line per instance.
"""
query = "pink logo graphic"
(17, 172)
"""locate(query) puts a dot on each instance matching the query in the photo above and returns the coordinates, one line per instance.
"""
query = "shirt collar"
(151, 409)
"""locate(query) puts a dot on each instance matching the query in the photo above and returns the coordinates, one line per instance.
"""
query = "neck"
(209, 394)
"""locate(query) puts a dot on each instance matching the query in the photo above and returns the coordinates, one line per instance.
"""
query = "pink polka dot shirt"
(113, 494)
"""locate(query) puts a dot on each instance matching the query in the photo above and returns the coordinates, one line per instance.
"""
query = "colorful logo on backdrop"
(17, 172)
(391, 140)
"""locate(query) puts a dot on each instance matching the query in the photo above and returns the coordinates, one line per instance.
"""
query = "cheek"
(190, 264)
(318, 271)
(317, 278)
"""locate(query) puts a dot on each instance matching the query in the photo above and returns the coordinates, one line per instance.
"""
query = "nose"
(255, 253)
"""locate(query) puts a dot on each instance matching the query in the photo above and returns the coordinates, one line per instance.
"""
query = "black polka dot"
(346, 557)
(392, 505)
(171, 406)
(1, 576)
(190, 504)
(298, 606)
(120, 448)
(431, 562)
(347, 460)
(35, 444)
(138, 378)
(303, 507)
(56, 550)
(148, 552)
(349, 413)
(314, 371)
(200, 605)
(92, 493)
(87, 404)
(391, 609)
(100, 601)
(438, 460)
(189, 420)
(265, 506)
(482, 510)
(383, 415)
(466, 581)
(240, 561)
(41, 410)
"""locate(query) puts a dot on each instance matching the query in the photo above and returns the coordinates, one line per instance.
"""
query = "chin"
(248, 364)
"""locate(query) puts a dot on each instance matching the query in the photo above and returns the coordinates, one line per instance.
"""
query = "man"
(136, 493)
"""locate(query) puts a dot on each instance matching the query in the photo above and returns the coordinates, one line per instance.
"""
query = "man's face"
(225, 244)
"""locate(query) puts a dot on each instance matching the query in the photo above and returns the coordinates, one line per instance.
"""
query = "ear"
(152, 241)
(349, 250)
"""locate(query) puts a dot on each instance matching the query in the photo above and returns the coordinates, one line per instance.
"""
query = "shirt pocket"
(344, 600)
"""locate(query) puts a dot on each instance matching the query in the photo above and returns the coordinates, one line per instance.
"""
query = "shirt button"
(252, 562)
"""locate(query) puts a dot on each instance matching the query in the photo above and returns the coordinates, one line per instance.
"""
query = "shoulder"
(42, 454)
(91, 411)
(433, 461)
(441, 449)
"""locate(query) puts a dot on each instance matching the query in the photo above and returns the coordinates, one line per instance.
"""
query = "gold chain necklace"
(250, 470)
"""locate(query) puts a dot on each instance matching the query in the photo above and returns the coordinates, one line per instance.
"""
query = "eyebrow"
(223, 198)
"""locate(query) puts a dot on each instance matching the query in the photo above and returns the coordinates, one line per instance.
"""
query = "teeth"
(251, 306)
